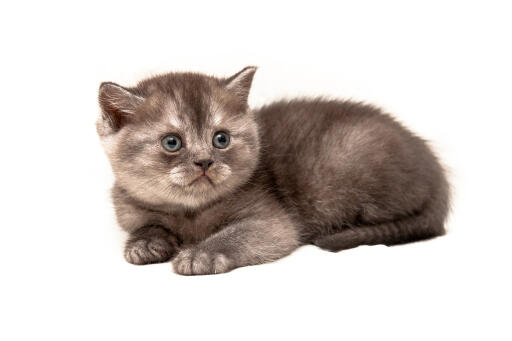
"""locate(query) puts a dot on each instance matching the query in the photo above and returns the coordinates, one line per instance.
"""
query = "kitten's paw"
(199, 262)
(148, 251)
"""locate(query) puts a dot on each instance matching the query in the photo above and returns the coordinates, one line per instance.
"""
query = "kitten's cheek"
(174, 179)
(222, 173)
(217, 179)
(178, 180)
(178, 176)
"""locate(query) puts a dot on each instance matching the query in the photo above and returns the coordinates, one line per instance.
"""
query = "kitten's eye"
(220, 140)
(171, 143)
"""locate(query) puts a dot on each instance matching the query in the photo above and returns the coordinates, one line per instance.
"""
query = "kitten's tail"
(426, 224)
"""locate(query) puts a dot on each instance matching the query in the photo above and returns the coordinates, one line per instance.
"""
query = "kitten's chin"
(198, 194)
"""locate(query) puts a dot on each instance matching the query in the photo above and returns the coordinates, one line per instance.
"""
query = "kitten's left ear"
(240, 82)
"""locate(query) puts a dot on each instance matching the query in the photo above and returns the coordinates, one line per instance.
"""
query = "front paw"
(194, 261)
(148, 251)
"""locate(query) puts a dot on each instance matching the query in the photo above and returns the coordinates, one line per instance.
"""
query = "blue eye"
(220, 140)
(171, 143)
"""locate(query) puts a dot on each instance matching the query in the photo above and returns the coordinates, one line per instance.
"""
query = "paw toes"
(190, 262)
(146, 252)
(201, 263)
(133, 257)
(183, 263)
(183, 267)
(221, 264)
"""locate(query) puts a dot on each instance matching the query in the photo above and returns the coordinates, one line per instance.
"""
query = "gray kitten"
(203, 180)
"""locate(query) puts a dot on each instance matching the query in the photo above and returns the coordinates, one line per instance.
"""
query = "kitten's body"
(336, 174)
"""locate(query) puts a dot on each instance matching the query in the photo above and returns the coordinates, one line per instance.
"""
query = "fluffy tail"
(426, 224)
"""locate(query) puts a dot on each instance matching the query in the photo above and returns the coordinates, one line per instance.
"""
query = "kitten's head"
(180, 138)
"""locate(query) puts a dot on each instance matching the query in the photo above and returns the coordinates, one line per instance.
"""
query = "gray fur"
(337, 174)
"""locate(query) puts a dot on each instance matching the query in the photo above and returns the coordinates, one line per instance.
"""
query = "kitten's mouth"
(203, 178)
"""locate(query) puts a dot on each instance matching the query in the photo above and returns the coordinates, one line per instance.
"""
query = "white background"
(442, 67)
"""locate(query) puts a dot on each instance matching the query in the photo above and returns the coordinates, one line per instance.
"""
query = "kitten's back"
(341, 164)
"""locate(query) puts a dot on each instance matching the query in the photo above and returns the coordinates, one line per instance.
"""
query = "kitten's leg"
(248, 242)
(150, 244)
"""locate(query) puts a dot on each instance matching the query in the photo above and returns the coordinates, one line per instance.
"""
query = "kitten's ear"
(117, 104)
(240, 82)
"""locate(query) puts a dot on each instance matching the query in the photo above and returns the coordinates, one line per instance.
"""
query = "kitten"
(203, 180)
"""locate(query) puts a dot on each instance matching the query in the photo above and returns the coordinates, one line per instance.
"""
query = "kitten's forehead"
(211, 114)
(191, 102)
(190, 116)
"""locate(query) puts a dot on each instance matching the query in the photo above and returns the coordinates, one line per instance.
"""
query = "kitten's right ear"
(117, 104)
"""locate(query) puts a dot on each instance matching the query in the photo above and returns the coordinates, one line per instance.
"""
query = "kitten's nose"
(204, 164)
